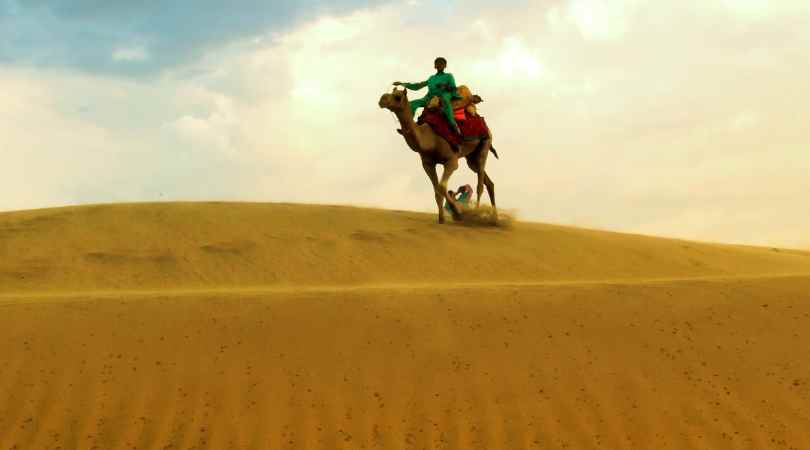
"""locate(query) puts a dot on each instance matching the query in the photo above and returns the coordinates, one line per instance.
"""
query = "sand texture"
(274, 326)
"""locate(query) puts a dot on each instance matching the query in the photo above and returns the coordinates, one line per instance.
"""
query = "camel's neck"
(405, 117)
(409, 129)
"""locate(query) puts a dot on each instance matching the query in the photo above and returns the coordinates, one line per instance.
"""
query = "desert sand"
(272, 326)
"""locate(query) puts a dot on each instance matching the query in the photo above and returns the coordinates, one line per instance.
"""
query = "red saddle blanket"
(473, 127)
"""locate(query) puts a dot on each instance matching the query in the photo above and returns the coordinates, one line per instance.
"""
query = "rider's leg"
(418, 103)
(447, 107)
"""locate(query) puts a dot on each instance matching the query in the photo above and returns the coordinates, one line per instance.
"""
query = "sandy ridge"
(9, 298)
(201, 246)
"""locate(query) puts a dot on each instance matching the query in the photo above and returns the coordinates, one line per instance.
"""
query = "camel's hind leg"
(491, 191)
(480, 188)
(473, 164)
(477, 163)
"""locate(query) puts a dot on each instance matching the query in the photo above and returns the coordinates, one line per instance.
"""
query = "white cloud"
(515, 59)
(744, 120)
(213, 126)
(759, 10)
(595, 20)
(44, 150)
(131, 54)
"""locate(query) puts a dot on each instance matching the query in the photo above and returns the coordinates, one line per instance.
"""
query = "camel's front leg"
(449, 167)
(430, 169)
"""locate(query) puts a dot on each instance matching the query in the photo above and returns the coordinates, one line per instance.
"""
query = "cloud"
(82, 34)
(131, 54)
(43, 150)
(743, 121)
(516, 59)
(597, 19)
(761, 10)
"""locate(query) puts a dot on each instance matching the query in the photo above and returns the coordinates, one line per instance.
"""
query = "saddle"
(467, 101)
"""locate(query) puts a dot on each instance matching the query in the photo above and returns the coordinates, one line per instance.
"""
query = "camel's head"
(395, 101)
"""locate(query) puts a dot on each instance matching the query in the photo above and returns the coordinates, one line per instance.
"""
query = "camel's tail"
(492, 149)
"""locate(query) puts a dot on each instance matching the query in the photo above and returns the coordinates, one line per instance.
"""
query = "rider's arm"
(452, 86)
(415, 86)
(452, 83)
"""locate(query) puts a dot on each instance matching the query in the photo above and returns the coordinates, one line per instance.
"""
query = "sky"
(684, 118)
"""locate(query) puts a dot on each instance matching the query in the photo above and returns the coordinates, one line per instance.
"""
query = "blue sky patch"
(128, 38)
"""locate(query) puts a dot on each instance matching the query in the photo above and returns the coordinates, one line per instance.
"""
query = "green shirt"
(437, 84)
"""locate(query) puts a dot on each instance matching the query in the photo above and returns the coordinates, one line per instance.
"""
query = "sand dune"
(256, 326)
(207, 245)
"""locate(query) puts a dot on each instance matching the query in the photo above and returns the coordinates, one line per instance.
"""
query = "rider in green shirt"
(442, 85)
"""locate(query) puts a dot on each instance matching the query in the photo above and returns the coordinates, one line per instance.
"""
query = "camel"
(433, 150)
